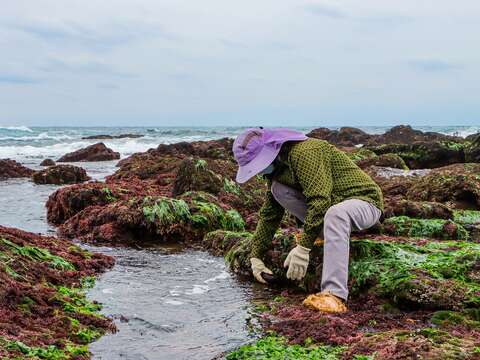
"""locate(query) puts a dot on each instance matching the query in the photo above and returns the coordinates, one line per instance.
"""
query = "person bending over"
(324, 189)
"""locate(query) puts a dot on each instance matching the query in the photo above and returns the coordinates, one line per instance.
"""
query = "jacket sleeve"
(313, 171)
(271, 214)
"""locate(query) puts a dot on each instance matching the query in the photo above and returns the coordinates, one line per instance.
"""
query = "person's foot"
(325, 302)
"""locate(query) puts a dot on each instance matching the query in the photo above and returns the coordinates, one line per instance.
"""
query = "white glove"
(257, 268)
(297, 262)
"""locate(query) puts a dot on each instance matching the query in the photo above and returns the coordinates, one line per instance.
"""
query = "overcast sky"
(270, 62)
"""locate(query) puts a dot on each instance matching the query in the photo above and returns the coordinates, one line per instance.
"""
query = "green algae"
(109, 195)
(361, 154)
(38, 254)
(424, 228)
(470, 217)
(51, 352)
(273, 347)
(467, 317)
(231, 186)
(425, 274)
(201, 213)
(166, 211)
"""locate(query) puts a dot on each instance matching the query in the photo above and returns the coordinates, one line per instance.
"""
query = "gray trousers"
(339, 221)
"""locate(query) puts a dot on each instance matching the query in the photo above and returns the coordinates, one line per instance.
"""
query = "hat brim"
(264, 158)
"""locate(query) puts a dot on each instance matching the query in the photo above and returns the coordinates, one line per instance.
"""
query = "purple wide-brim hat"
(256, 148)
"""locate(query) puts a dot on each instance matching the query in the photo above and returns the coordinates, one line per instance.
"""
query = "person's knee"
(335, 214)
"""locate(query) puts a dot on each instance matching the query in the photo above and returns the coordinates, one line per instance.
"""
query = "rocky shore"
(414, 279)
(43, 310)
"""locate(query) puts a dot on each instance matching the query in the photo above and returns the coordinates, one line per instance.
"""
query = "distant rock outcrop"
(108, 137)
(12, 169)
(95, 152)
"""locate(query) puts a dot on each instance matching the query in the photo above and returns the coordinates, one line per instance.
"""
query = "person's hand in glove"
(258, 267)
(297, 262)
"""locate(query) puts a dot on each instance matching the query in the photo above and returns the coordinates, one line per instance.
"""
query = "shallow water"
(167, 303)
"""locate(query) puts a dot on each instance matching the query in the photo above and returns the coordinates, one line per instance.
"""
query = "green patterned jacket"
(326, 176)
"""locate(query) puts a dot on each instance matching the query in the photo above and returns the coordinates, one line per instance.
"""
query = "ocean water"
(30, 145)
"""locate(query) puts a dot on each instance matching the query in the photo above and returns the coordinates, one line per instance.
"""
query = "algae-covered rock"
(43, 308)
(472, 150)
(13, 169)
(421, 155)
(427, 343)
(195, 175)
(437, 275)
(153, 218)
(67, 201)
(396, 206)
(455, 185)
(60, 174)
(385, 160)
(425, 228)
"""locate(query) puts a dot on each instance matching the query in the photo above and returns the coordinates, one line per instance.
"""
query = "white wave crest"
(124, 147)
(39, 137)
(17, 128)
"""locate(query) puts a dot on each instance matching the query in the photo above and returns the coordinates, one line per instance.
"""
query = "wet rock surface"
(12, 169)
(422, 261)
(60, 174)
(95, 152)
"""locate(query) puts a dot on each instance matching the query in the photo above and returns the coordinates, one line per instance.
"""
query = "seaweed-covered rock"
(384, 160)
(472, 150)
(69, 200)
(346, 136)
(195, 175)
(455, 185)
(430, 275)
(60, 174)
(43, 309)
(422, 154)
(12, 169)
(95, 152)
(404, 134)
(427, 228)
(156, 219)
(396, 206)
(47, 162)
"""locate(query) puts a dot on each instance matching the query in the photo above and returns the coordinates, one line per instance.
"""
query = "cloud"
(433, 65)
(17, 79)
(103, 38)
(326, 11)
(85, 67)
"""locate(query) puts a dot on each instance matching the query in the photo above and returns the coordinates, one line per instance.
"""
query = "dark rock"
(47, 162)
(404, 134)
(12, 169)
(346, 136)
(424, 155)
(95, 152)
(107, 137)
(60, 174)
